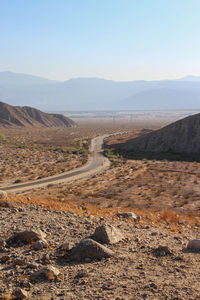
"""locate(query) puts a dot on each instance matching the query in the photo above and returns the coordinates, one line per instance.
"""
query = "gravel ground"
(137, 271)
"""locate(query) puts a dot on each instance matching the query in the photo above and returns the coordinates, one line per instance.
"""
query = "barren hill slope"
(28, 116)
(182, 136)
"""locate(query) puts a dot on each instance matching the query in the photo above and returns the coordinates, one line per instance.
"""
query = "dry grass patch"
(169, 218)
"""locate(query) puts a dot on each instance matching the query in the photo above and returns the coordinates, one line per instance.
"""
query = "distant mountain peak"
(190, 78)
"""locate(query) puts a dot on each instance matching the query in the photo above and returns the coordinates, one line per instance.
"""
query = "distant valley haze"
(100, 55)
(99, 94)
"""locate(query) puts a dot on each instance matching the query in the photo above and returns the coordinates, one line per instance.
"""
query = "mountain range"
(99, 94)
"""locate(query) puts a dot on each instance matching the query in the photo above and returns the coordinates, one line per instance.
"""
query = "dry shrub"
(83, 207)
(191, 218)
(174, 227)
(153, 217)
(50, 276)
(6, 296)
(169, 216)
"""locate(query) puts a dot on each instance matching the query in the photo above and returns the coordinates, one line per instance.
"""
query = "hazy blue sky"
(112, 39)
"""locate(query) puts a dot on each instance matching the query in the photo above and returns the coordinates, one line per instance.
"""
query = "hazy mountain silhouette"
(190, 78)
(18, 79)
(99, 94)
(29, 117)
(163, 98)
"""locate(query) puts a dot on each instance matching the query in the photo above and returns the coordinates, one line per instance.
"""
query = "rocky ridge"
(28, 117)
(182, 136)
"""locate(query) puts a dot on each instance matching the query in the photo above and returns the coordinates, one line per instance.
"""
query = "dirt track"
(96, 163)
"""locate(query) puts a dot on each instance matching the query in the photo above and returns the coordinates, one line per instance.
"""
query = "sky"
(120, 40)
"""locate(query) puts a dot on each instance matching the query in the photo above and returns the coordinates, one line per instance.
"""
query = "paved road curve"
(96, 163)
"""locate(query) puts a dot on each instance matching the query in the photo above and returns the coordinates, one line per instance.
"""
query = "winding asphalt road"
(96, 163)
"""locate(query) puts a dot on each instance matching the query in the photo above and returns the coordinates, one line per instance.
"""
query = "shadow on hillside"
(170, 156)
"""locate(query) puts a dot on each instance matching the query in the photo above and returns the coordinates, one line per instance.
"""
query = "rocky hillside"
(182, 136)
(28, 117)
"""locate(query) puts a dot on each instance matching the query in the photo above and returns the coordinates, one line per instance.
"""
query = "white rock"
(39, 245)
(67, 246)
(3, 194)
(131, 215)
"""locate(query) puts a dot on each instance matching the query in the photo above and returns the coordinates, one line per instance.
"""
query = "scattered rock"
(5, 258)
(3, 195)
(194, 245)
(67, 246)
(25, 284)
(107, 234)
(2, 246)
(88, 248)
(33, 266)
(48, 273)
(5, 204)
(162, 251)
(20, 209)
(26, 237)
(20, 294)
(39, 245)
(46, 258)
(154, 233)
(19, 262)
(131, 215)
(81, 274)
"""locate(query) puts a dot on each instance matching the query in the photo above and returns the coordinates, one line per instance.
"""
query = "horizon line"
(98, 78)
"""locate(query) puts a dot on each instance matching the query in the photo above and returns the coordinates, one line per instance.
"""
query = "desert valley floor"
(150, 262)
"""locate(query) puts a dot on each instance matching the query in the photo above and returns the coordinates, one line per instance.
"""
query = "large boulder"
(108, 234)
(90, 249)
(26, 237)
(194, 245)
